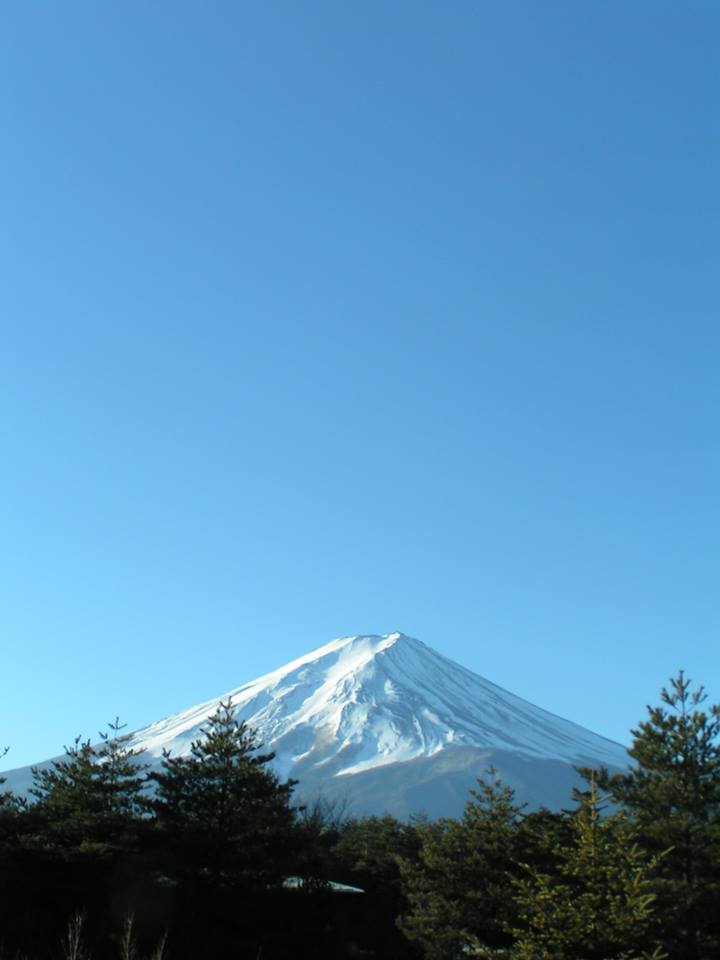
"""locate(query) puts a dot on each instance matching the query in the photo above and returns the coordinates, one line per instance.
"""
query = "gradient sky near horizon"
(332, 318)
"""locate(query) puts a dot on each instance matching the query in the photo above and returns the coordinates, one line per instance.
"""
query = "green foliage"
(222, 815)
(204, 857)
(91, 799)
(11, 807)
(73, 847)
(596, 904)
(367, 854)
(370, 849)
(673, 794)
(318, 826)
(9, 803)
(459, 889)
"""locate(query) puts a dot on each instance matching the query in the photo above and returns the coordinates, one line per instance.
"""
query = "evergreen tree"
(368, 850)
(367, 855)
(76, 846)
(673, 793)
(7, 799)
(223, 817)
(90, 801)
(11, 806)
(597, 902)
(459, 889)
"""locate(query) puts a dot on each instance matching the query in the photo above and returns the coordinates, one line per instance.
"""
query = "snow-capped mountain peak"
(387, 723)
(361, 702)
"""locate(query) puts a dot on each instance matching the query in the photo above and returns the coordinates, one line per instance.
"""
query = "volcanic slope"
(386, 723)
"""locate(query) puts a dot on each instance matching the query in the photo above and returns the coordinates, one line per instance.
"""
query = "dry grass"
(73, 946)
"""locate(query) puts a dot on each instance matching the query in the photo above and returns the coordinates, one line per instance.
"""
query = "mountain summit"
(385, 722)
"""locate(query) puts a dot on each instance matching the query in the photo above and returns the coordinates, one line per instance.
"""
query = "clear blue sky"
(329, 318)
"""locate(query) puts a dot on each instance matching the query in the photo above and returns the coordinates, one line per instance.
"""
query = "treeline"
(208, 855)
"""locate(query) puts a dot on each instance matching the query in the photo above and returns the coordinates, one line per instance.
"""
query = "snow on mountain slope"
(363, 702)
(387, 723)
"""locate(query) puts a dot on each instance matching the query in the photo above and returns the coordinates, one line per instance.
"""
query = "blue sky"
(332, 318)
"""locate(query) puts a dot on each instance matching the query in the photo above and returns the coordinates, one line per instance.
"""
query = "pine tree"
(459, 889)
(10, 807)
(672, 792)
(7, 799)
(367, 855)
(77, 846)
(90, 800)
(223, 817)
(597, 902)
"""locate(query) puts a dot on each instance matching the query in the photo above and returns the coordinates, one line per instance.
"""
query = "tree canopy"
(672, 792)
(221, 811)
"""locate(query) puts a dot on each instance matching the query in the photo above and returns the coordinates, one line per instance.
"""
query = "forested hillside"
(209, 856)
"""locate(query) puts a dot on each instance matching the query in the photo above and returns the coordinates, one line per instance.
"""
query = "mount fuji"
(385, 723)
